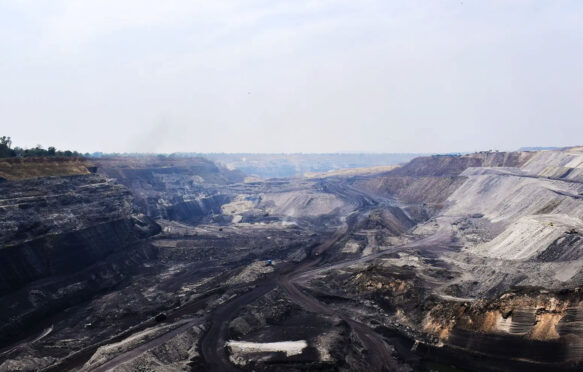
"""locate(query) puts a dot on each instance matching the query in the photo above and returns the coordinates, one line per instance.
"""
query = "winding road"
(289, 277)
(380, 355)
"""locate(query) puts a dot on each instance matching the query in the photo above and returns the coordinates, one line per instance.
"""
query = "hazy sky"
(291, 76)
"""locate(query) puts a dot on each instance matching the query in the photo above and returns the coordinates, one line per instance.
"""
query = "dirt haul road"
(213, 343)
(380, 355)
(287, 277)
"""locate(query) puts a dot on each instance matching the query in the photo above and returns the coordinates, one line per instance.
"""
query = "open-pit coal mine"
(158, 263)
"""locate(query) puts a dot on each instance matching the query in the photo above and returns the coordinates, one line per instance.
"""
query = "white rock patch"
(237, 206)
(528, 236)
(351, 247)
(290, 348)
(300, 203)
(251, 272)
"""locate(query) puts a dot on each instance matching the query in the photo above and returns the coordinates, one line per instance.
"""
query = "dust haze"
(305, 76)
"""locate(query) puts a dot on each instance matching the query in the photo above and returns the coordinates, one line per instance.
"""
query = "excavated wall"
(428, 181)
(58, 225)
(63, 239)
(514, 294)
(171, 188)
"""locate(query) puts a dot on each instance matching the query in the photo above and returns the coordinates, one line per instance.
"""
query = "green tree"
(6, 141)
(5, 150)
(38, 150)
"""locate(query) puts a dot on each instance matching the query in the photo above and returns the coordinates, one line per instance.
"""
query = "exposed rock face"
(44, 206)
(297, 204)
(566, 164)
(499, 266)
(63, 239)
(392, 221)
(545, 324)
(431, 190)
(472, 260)
(56, 226)
(171, 188)
(452, 165)
(431, 180)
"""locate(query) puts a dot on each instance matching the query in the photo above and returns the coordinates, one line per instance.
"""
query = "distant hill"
(289, 165)
(538, 148)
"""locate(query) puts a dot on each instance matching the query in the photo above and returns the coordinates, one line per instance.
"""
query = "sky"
(291, 76)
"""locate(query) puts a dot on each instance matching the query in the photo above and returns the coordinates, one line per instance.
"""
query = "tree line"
(6, 150)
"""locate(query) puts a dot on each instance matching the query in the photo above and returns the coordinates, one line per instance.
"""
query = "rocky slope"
(57, 234)
(430, 180)
(171, 188)
(497, 268)
(157, 263)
